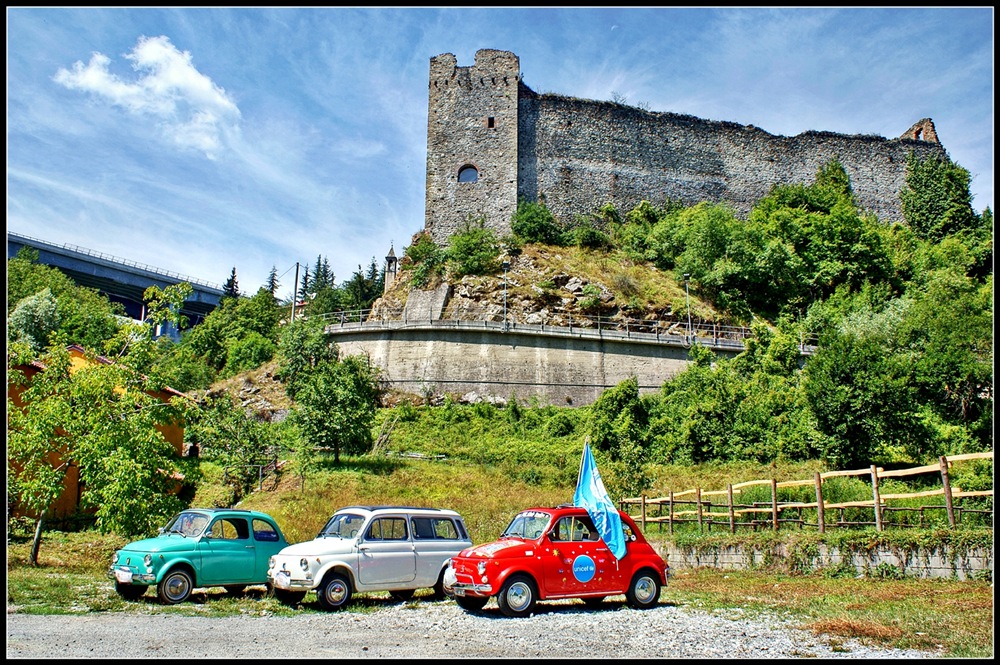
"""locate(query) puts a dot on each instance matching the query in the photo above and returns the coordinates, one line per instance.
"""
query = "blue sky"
(197, 140)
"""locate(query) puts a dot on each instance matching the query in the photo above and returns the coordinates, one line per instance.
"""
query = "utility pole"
(687, 303)
(295, 292)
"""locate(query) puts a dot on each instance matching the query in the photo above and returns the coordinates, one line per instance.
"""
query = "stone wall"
(931, 563)
(580, 154)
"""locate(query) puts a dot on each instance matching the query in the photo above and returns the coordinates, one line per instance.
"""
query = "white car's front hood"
(320, 547)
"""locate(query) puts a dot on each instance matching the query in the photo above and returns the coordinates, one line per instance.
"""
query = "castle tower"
(472, 138)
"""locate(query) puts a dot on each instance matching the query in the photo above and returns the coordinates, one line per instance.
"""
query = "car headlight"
(481, 567)
(114, 558)
(270, 562)
(304, 564)
(148, 560)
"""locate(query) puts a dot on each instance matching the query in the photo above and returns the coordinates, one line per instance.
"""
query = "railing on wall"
(706, 512)
(580, 325)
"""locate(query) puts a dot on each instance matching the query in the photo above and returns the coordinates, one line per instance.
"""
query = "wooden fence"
(706, 512)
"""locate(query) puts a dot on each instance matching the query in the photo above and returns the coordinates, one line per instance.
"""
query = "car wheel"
(644, 590)
(471, 603)
(130, 591)
(517, 596)
(334, 593)
(402, 595)
(234, 589)
(439, 593)
(286, 597)
(175, 587)
(593, 602)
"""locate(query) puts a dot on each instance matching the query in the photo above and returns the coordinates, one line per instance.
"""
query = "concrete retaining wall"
(561, 371)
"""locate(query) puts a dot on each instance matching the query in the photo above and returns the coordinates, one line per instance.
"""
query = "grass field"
(947, 617)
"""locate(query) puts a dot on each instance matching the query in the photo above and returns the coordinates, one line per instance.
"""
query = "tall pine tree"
(231, 289)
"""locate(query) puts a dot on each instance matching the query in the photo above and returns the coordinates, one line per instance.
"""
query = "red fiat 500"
(551, 553)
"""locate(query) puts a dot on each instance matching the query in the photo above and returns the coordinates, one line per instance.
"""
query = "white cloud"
(193, 111)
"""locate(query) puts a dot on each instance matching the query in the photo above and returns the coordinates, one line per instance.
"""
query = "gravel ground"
(437, 630)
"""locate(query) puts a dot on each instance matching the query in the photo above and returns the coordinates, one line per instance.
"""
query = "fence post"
(670, 513)
(878, 502)
(697, 496)
(732, 515)
(644, 513)
(820, 518)
(947, 490)
(774, 504)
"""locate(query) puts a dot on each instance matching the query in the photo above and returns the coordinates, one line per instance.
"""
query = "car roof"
(228, 511)
(377, 508)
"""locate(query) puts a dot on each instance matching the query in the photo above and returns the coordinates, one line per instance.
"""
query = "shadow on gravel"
(491, 611)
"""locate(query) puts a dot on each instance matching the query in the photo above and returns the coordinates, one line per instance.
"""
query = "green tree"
(862, 397)
(534, 222)
(272, 283)
(231, 289)
(84, 316)
(618, 418)
(103, 418)
(34, 475)
(228, 435)
(34, 319)
(335, 398)
(473, 250)
(936, 199)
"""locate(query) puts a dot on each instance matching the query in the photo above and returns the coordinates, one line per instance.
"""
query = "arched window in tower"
(468, 173)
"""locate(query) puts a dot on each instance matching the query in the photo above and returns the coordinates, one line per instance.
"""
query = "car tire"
(130, 591)
(334, 592)
(286, 597)
(471, 603)
(234, 589)
(439, 593)
(402, 596)
(593, 603)
(175, 587)
(517, 596)
(644, 590)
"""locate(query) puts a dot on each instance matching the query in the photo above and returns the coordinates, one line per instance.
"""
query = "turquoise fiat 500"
(199, 547)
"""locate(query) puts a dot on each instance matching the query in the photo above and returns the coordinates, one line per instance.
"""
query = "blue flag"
(590, 494)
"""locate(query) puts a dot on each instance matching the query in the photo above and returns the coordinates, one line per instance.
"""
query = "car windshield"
(187, 524)
(343, 525)
(528, 525)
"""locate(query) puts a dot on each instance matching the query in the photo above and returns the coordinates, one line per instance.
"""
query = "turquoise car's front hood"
(166, 543)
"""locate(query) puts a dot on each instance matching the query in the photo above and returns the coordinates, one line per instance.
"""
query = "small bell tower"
(391, 265)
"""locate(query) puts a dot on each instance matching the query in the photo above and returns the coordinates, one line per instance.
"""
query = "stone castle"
(491, 140)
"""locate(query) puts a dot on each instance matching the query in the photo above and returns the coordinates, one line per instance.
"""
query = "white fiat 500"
(398, 549)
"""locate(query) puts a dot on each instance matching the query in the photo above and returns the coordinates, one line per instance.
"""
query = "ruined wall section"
(471, 121)
(581, 154)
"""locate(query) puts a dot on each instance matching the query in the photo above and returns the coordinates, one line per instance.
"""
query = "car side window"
(264, 531)
(423, 528)
(583, 529)
(387, 528)
(562, 529)
(229, 528)
(445, 529)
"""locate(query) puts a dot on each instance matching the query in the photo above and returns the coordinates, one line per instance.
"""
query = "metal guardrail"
(569, 325)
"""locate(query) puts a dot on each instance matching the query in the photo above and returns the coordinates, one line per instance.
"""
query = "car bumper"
(124, 575)
(289, 583)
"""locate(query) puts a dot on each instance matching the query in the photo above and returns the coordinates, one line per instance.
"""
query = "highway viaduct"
(121, 280)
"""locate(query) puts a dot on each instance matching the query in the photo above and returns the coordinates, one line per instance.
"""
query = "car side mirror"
(160, 530)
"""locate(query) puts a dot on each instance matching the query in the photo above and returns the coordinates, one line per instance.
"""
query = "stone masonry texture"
(577, 155)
